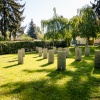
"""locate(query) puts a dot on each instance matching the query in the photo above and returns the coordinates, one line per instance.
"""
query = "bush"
(8, 47)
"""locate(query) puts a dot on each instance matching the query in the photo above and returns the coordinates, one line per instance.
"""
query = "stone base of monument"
(61, 60)
(51, 56)
(97, 59)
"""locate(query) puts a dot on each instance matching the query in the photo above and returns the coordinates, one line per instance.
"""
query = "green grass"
(38, 80)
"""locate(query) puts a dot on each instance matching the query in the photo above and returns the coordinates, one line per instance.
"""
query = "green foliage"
(40, 36)
(55, 28)
(88, 22)
(10, 17)
(25, 37)
(32, 30)
(1, 39)
(74, 26)
(9, 47)
(12, 46)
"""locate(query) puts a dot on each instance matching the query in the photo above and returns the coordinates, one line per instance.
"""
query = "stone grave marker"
(97, 59)
(51, 56)
(67, 52)
(45, 53)
(23, 52)
(61, 60)
(87, 51)
(20, 57)
(78, 54)
(55, 50)
(40, 51)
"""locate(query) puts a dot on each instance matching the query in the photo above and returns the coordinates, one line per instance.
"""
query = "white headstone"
(40, 51)
(61, 60)
(67, 52)
(50, 56)
(45, 53)
(23, 51)
(20, 57)
(78, 54)
(60, 49)
(87, 51)
(55, 50)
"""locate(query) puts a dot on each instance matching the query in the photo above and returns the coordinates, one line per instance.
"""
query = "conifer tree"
(32, 30)
(11, 12)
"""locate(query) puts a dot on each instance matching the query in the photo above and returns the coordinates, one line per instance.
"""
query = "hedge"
(8, 47)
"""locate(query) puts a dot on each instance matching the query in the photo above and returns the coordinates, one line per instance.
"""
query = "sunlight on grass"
(84, 78)
(63, 81)
(35, 79)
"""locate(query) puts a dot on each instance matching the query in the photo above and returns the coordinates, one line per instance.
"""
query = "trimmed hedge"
(8, 47)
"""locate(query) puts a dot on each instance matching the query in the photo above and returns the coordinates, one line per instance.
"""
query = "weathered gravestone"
(40, 51)
(97, 59)
(61, 60)
(67, 52)
(37, 49)
(51, 56)
(55, 50)
(76, 48)
(20, 57)
(78, 54)
(45, 53)
(60, 49)
(23, 52)
(87, 51)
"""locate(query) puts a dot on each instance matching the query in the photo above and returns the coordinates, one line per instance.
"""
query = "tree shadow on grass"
(11, 66)
(40, 59)
(96, 71)
(12, 60)
(36, 57)
(45, 65)
(79, 88)
(35, 90)
(40, 70)
(82, 85)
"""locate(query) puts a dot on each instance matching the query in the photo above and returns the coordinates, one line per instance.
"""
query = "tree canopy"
(87, 22)
(11, 12)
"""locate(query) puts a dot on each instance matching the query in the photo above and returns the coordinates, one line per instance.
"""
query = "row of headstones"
(78, 51)
(62, 55)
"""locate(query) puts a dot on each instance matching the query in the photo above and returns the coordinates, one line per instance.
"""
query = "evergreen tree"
(32, 30)
(10, 16)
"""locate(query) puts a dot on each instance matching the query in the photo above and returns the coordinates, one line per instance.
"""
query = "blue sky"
(43, 9)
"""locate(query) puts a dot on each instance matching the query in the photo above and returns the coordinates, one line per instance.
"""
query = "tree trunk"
(87, 41)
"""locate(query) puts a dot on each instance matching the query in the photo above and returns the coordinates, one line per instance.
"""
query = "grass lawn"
(38, 80)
